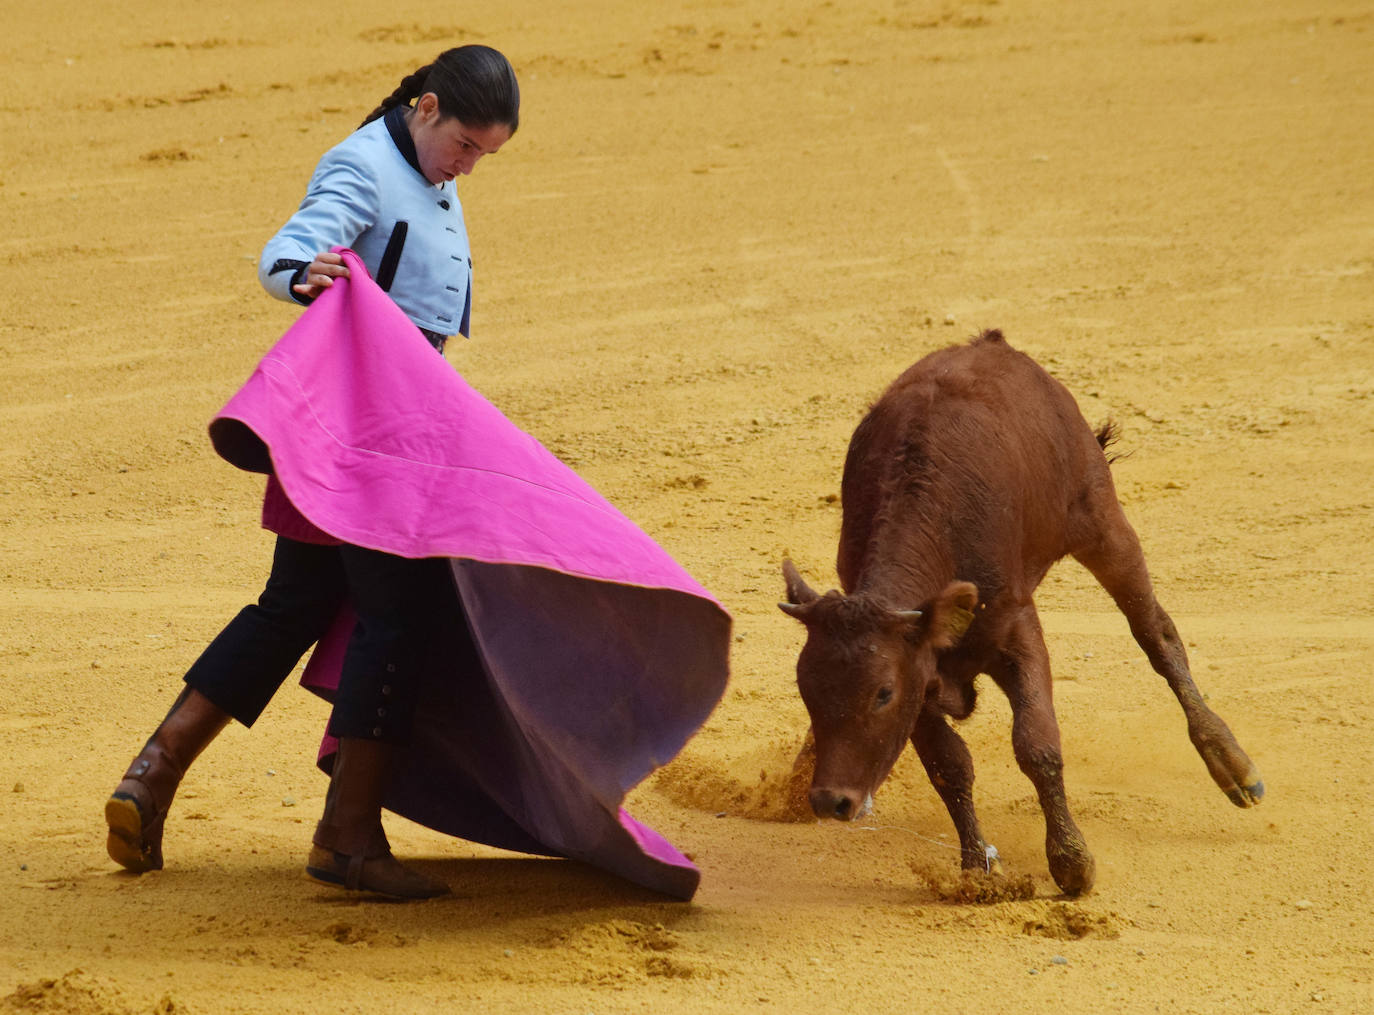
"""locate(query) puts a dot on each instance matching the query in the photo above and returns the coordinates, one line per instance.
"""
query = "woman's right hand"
(320, 274)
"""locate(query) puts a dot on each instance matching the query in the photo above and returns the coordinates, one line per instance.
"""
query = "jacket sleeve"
(340, 204)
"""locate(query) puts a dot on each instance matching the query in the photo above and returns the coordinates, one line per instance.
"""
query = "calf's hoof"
(1233, 771)
(1228, 764)
(1073, 870)
(1247, 796)
(1237, 777)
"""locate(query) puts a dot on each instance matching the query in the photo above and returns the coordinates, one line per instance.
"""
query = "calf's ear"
(950, 613)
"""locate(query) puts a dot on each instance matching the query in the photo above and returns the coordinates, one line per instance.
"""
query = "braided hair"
(474, 83)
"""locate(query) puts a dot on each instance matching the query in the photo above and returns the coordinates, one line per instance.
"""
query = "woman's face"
(447, 147)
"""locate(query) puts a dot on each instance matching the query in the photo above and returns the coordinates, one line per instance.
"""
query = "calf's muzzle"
(841, 804)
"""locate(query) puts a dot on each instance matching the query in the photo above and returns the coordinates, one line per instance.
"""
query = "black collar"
(395, 120)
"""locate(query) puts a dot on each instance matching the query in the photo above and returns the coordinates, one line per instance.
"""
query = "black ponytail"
(476, 84)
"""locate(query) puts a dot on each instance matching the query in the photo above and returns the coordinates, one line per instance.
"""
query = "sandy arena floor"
(722, 229)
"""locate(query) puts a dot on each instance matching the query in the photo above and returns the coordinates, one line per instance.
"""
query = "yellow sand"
(722, 228)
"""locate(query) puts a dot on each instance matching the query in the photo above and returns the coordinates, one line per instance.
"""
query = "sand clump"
(77, 992)
(980, 888)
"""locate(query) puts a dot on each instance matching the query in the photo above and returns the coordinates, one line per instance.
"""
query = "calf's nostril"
(837, 804)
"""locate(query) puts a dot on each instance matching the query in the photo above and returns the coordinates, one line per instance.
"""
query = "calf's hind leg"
(1117, 562)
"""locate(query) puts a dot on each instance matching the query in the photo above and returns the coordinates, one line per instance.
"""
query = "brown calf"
(965, 482)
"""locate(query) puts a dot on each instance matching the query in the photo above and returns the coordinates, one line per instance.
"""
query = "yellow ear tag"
(958, 622)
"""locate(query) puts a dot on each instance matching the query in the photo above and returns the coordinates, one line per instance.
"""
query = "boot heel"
(366, 865)
(137, 810)
(127, 843)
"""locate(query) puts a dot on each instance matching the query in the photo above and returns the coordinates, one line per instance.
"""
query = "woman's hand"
(320, 274)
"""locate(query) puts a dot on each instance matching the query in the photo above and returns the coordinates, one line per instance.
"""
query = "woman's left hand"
(320, 274)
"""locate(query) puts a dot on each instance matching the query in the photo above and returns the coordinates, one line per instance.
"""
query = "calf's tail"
(1107, 435)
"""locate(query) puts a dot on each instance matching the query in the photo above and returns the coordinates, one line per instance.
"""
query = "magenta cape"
(576, 657)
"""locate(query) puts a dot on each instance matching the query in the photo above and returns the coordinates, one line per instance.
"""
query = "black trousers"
(396, 600)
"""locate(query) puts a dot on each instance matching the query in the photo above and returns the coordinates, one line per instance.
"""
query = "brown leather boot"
(138, 807)
(350, 848)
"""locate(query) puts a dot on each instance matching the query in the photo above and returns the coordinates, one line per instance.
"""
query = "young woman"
(387, 192)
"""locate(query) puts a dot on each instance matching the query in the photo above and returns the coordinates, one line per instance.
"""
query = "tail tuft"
(1107, 435)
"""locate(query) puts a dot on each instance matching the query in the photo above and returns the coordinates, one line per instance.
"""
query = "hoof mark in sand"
(413, 33)
(166, 155)
(971, 887)
(617, 950)
(1068, 921)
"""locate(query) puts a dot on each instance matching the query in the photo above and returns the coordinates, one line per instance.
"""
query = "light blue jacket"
(362, 189)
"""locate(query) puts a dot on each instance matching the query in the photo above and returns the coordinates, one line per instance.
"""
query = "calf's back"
(975, 463)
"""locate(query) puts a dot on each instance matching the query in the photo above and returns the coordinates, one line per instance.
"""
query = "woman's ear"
(427, 107)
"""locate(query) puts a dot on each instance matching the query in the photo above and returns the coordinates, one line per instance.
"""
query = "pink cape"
(577, 655)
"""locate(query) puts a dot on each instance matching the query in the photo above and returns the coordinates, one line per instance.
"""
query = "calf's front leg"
(1023, 672)
(949, 767)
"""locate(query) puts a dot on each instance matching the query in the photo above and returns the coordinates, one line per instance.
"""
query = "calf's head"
(864, 674)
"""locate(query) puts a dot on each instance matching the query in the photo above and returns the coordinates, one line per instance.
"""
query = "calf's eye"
(883, 699)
